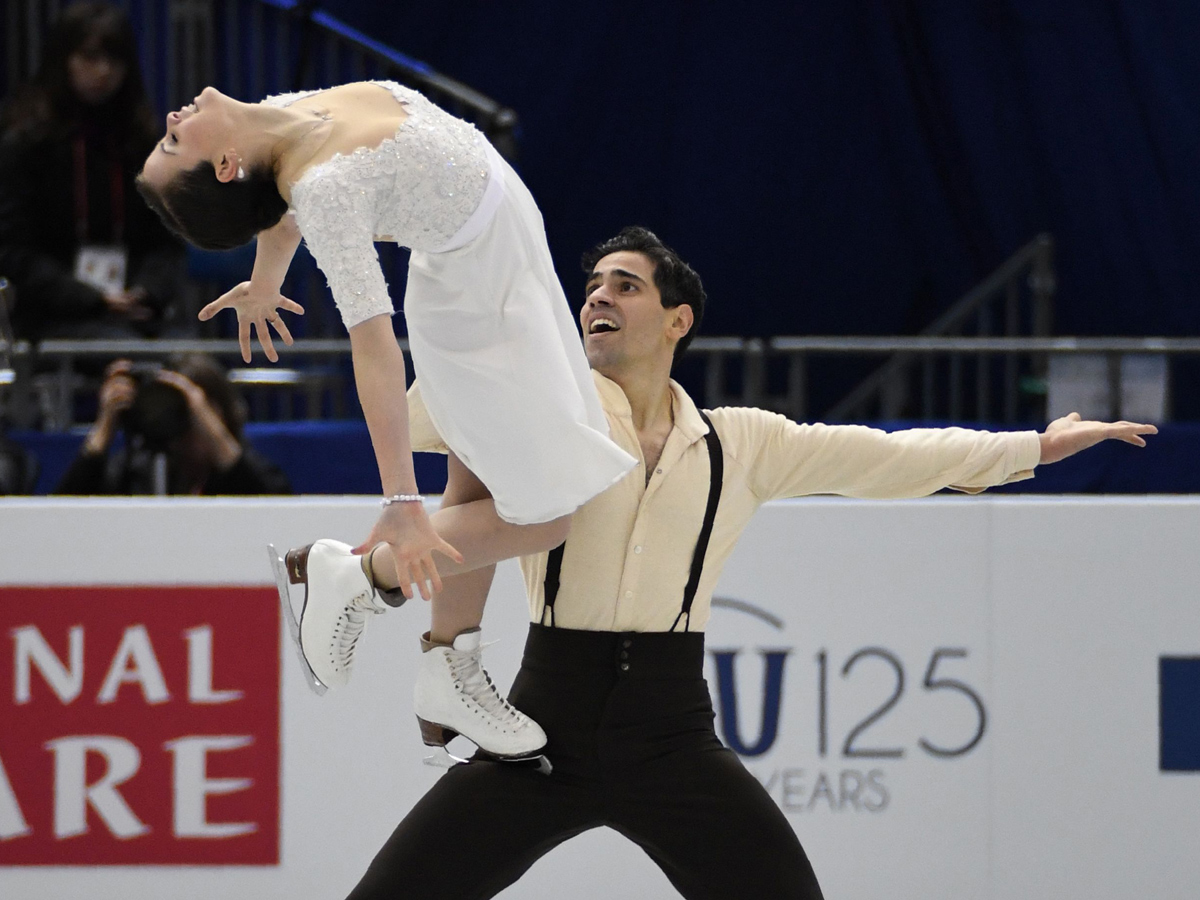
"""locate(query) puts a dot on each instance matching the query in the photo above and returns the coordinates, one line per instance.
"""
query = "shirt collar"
(687, 417)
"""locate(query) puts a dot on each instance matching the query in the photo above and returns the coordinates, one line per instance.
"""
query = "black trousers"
(630, 725)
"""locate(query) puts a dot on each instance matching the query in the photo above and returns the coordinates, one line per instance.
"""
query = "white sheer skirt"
(501, 366)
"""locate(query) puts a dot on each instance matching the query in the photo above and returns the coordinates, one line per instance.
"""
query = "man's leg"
(714, 831)
(475, 833)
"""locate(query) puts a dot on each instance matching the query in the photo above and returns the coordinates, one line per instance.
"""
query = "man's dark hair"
(215, 215)
(677, 282)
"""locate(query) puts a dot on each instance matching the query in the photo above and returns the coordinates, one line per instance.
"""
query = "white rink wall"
(961, 701)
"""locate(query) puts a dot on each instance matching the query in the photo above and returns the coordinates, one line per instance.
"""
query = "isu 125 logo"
(820, 725)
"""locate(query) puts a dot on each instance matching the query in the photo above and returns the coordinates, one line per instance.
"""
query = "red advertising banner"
(139, 725)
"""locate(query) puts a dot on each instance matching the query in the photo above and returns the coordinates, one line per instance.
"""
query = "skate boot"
(454, 696)
(338, 597)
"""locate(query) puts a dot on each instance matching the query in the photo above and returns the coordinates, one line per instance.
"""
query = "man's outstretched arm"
(785, 459)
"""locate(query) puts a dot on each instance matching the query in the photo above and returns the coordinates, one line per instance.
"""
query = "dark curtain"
(853, 166)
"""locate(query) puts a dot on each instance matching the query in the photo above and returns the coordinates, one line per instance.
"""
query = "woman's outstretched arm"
(379, 375)
(258, 300)
(274, 253)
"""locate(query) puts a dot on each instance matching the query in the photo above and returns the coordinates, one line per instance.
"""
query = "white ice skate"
(454, 696)
(338, 597)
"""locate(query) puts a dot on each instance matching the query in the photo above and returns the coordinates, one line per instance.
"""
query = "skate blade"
(444, 759)
(279, 567)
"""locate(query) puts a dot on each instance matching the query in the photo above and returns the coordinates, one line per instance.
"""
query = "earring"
(241, 174)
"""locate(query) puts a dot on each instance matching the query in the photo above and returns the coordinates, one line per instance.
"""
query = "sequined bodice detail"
(417, 188)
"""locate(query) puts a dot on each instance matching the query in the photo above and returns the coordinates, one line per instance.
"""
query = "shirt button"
(659, 471)
(637, 549)
(624, 654)
(627, 643)
(629, 595)
(624, 667)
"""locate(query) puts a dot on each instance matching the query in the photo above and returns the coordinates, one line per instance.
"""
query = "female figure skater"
(494, 345)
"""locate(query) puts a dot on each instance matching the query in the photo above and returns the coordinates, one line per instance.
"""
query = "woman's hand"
(259, 309)
(406, 529)
(222, 447)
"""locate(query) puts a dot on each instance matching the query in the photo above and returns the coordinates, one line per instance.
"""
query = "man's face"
(624, 323)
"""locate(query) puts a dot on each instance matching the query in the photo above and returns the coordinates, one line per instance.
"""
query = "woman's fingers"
(291, 306)
(244, 338)
(422, 582)
(422, 572)
(414, 575)
(213, 308)
(431, 574)
(449, 551)
(281, 326)
(406, 588)
(264, 339)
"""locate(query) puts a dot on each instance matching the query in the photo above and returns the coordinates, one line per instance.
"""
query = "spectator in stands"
(187, 414)
(86, 257)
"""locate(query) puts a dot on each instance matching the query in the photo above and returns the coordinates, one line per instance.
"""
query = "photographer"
(183, 435)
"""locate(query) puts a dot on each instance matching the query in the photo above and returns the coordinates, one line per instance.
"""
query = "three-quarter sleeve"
(785, 459)
(337, 222)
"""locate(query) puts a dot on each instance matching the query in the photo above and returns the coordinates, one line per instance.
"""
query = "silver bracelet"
(401, 498)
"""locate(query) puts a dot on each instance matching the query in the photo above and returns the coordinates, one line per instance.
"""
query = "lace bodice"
(417, 188)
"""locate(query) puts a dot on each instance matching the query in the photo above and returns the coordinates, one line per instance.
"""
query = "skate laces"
(354, 617)
(467, 669)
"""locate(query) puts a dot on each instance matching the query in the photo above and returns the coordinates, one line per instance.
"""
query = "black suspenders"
(716, 462)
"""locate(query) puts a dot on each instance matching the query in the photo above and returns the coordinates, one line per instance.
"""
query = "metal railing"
(313, 370)
(1016, 300)
(911, 352)
(309, 372)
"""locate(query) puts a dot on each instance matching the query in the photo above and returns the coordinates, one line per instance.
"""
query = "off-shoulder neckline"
(358, 152)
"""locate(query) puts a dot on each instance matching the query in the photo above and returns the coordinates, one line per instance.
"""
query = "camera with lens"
(159, 413)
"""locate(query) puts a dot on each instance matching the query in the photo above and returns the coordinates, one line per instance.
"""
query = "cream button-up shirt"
(629, 553)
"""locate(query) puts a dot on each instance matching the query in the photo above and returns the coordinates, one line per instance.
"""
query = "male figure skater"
(613, 664)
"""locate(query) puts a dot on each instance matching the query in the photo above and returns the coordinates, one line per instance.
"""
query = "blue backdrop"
(854, 167)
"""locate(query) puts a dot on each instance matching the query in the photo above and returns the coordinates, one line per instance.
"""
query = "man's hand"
(1067, 436)
(407, 531)
(258, 308)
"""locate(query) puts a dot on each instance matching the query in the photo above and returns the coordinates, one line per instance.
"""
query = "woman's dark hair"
(677, 282)
(215, 215)
(47, 107)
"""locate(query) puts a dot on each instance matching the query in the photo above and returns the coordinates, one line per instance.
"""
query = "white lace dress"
(496, 351)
